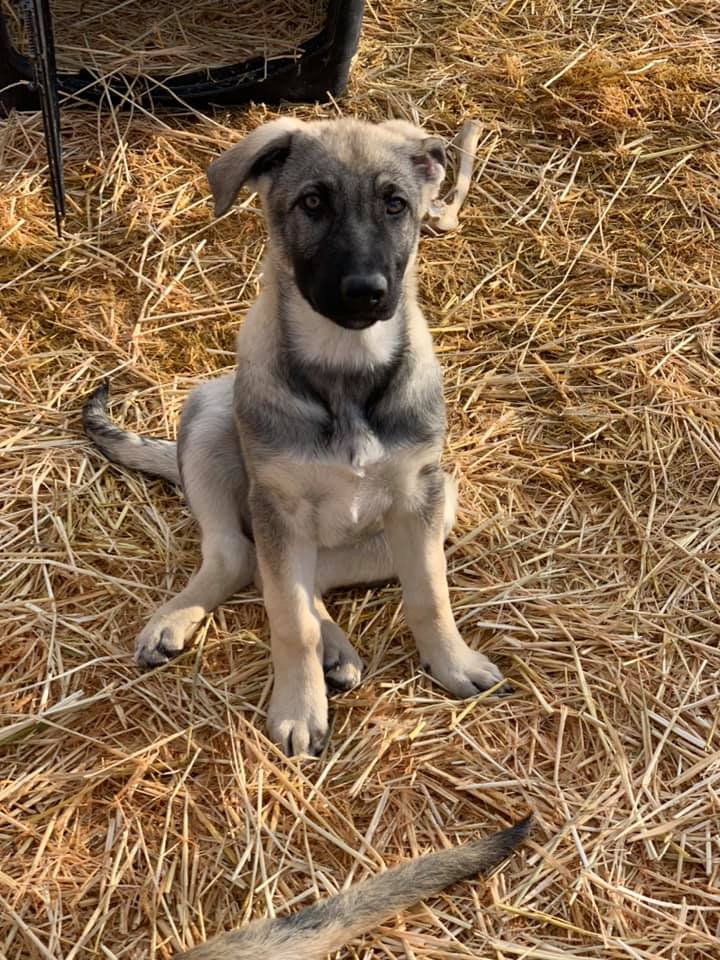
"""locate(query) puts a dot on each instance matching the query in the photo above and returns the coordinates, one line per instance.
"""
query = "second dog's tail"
(157, 457)
(314, 932)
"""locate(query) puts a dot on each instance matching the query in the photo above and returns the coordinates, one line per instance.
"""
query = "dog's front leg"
(415, 531)
(297, 714)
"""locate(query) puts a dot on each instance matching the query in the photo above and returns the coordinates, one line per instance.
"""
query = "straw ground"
(576, 315)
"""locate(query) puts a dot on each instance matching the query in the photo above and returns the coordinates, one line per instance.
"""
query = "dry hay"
(576, 314)
(135, 37)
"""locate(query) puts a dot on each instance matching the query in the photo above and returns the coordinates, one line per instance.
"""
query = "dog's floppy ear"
(256, 154)
(427, 153)
(429, 160)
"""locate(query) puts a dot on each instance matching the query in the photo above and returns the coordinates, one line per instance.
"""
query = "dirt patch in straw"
(576, 315)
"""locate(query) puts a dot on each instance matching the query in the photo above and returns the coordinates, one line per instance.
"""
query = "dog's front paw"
(298, 713)
(164, 637)
(463, 672)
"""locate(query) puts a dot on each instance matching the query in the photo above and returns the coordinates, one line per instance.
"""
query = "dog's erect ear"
(426, 153)
(260, 152)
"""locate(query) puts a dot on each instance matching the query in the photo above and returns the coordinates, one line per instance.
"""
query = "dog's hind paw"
(341, 664)
(164, 637)
(342, 675)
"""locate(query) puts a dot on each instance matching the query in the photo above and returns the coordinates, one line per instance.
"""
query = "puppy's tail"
(157, 457)
(324, 927)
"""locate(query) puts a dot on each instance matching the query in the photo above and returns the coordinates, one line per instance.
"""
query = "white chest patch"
(355, 494)
(366, 453)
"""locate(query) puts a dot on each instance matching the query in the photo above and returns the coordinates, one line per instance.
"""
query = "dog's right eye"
(395, 205)
(311, 202)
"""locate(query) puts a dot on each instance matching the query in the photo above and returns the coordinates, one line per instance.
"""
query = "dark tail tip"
(95, 407)
(97, 401)
(522, 827)
(513, 836)
(101, 393)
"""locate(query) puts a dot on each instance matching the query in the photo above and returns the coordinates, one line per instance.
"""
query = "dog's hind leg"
(341, 664)
(228, 565)
(364, 563)
(215, 485)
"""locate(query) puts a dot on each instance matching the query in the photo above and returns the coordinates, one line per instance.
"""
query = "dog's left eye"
(395, 205)
(311, 202)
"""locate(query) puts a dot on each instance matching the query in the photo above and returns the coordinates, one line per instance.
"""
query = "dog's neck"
(318, 342)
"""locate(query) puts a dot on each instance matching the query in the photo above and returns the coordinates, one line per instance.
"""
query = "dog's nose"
(364, 290)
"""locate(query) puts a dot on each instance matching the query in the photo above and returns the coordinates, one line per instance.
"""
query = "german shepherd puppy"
(317, 464)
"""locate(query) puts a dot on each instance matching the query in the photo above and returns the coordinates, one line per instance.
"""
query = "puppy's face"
(344, 201)
(345, 209)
